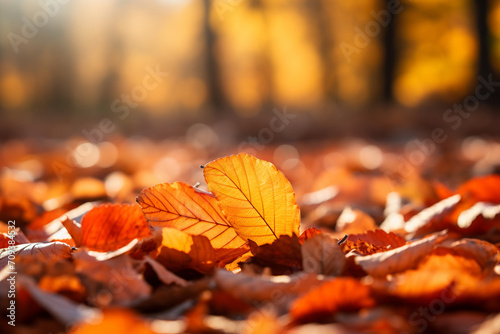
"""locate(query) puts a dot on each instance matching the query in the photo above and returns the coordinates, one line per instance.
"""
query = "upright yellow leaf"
(257, 199)
(179, 205)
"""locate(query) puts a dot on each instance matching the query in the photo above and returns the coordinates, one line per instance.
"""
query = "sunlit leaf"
(183, 207)
(257, 199)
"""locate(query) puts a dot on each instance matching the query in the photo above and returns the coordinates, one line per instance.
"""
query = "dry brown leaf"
(163, 274)
(322, 255)
(49, 251)
(63, 309)
(399, 259)
(483, 252)
(110, 282)
(283, 256)
(435, 211)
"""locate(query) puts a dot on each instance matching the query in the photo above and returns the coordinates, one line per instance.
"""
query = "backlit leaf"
(257, 199)
(179, 205)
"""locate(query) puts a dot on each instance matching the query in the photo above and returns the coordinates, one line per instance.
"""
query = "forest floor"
(340, 236)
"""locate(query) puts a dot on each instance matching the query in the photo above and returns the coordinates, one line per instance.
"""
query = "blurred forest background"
(365, 67)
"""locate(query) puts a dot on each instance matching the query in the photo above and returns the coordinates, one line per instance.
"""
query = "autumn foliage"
(238, 258)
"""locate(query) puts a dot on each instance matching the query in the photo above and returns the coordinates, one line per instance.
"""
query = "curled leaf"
(42, 251)
(398, 259)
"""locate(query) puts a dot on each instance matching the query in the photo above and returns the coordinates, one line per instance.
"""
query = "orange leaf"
(445, 275)
(257, 199)
(482, 189)
(179, 250)
(114, 321)
(308, 234)
(341, 294)
(109, 227)
(181, 206)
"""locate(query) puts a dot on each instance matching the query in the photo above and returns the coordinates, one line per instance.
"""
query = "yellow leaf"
(257, 199)
(179, 205)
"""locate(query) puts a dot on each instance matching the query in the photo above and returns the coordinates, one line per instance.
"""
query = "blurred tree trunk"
(484, 68)
(389, 57)
(215, 93)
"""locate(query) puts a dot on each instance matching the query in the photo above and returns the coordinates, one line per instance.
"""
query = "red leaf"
(109, 227)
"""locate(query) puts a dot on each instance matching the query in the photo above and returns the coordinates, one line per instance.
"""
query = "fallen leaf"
(279, 290)
(283, 256)
(109, 227)
(163, 274)
(446, 275)
(67, 311)
(179, 251)
(183, 207)
(12, 238)
(322, 255)
(482, 189)
(398, 259)
(308, 234)
(372, 242)
(433, 212)
(74, 229)
(483, 252)
(257, 199)
(354, 221)
(486, 210)
(49, 251)
(338, 295)
(114, 321)
(112, 282)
